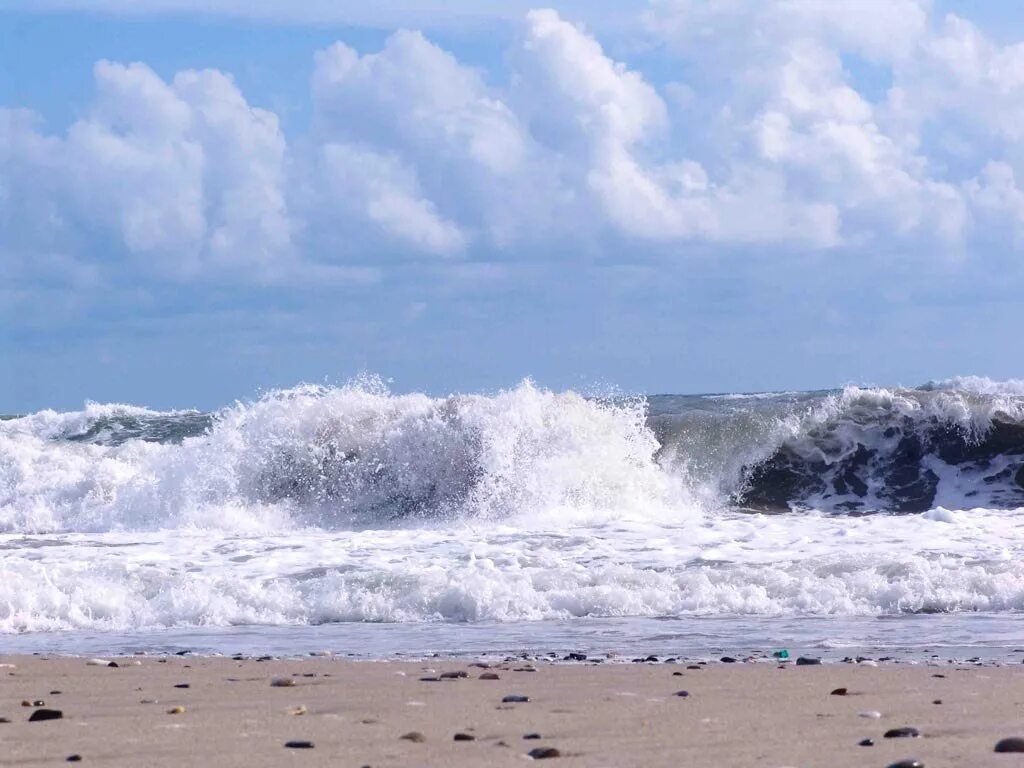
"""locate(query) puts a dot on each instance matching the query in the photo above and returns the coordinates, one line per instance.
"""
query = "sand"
(594, 715)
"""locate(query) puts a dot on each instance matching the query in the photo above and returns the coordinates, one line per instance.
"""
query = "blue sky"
(202, 200)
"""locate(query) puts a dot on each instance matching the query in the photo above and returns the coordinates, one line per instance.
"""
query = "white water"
(318, 505)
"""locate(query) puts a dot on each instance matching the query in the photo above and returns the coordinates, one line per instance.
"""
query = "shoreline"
(242, 711)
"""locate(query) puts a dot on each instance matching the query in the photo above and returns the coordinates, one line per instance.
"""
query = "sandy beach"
(183, 710)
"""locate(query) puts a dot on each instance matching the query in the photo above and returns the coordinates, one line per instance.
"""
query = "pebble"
(299, 744)
(464, 737)
(182, 685)
(937, 701)
(414, 736)
(176, 711)
(872, 714)
(282, 682)
(838, 692)
(73, 758)
(457, 675)
(515, 699)
(5, 720)
(430, 679)
(543, 753)
(727, 660)
(113, 665)
(45, 714)
(489, 676)
(866, 743)
(531, 736)
(682, 694)
(907, 732)
(907, 764)
(807, 661)
(1011, 744)
(693, 666)
(677, 674)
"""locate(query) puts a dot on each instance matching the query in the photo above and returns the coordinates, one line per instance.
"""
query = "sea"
(358, 521)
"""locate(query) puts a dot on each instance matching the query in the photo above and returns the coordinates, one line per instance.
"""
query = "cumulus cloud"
(182, 175)
(768, 135)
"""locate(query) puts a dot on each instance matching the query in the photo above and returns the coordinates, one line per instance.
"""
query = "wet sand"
(355, 713)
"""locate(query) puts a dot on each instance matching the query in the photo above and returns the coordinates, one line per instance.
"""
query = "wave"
(328, 457)
(359, 456)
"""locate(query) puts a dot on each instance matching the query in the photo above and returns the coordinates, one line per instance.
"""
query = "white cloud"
(184, 175)
(772, 137)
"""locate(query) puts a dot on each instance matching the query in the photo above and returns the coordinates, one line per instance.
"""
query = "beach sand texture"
(356, 713)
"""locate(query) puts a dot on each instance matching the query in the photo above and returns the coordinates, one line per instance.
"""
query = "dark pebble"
(906, 732)
(182, 653)
(907, 764)
(55, 693)
(515, 699)
(489, 676)
(531, 735)
(807, 661)
(299, 744)
(682, 694)
(543, 753)
(677, 674)
(182, 685)
(1012, 744)
(458, 674)
(937, 701)
(5, 720)
(73, 759)
(414, 736)
(113, 664)
(430, 679)
(693, 666)
(464, 737)
(45, 714)
(938, 675)
(838, 692)
(727, 660)
(866, 743)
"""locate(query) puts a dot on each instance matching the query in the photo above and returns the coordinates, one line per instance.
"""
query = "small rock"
(871, 714)
(937, 701)
(693, 666)
(414, 736)
(807, 661)
(5, 720)
(489, 676)
(179, 710)
(907, 732)
(543, 753)
(677, 674)
(727, 660)
(515, 699)
(282, 682)
(866, 743)
(45, 714)
(113, 664)
(464, 737)
(55, 693)
(1011, 744)
(430, 679)
(682, 694)
(73, 759)
(531, 736)
(299, 744)
(837, 692)
(456, 675)
(182, 685)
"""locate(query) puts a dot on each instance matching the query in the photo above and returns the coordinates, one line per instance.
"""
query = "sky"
(200, 201)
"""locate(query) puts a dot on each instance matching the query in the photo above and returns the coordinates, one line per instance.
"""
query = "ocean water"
(368, 522)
